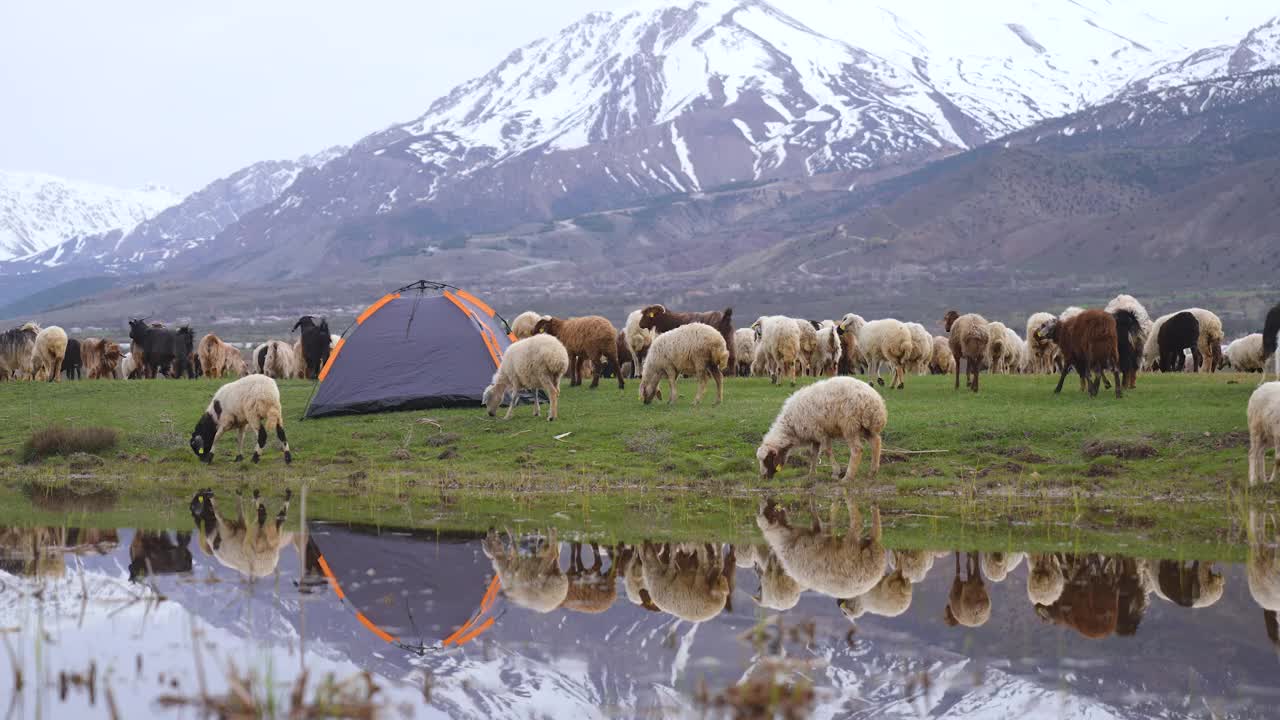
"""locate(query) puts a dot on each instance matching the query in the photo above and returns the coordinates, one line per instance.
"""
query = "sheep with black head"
(248, 403)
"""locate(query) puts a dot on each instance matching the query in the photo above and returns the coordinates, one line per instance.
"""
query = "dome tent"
(426, 345)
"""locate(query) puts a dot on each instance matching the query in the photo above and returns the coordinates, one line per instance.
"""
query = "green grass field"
(1165, 462)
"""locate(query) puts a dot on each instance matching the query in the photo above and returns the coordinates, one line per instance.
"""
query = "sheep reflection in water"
(840, 567)
(534, 580)
(968, 603)
(251, 548)
(687, 580)
(1263, 571)
(591, 590)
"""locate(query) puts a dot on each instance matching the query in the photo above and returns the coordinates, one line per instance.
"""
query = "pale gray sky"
(128, 92)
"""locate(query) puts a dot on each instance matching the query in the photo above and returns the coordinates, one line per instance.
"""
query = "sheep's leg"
(284, 509)
(260, 508)
(515, 400)
(240, 444)
(1115, 373)
(855, 518)
(1197, 359)
(595, 370)
(671, 383)
(537, 402)
(617, 364)
(284, 443)
(966, 372)
(855, 458)
(1066, 370)
(876, 445)
(553, 391)
(262, 442)
(719, 378)
(814, 450)
(1257, 456)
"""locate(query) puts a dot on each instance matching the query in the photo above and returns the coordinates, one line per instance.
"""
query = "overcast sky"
(129, 92)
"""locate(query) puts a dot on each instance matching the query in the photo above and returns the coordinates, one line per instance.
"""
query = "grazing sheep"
(128, 368)
(922, 349)
(1045, 580)
(780, 339)
(316, 344)
(591, 590)
(1264, 431)
(1039, 351)
(778, 590)
(1270, 338)
(1013, 351)
(825, 359)
(631, 570)
(250, 402)
(696, 350)
(184, 360)
(530, 581)
(808, 344)
(687, 580)
(100, 358)
(638, 340)
(968, 603)
(253, 550)
(744, 350)
(1211, 336)
(852, 358)
(219, 358)
(46, 356)
(536, 363)
(1088, 343)
(1129, 342)
(887, 341)
(760, 361)
(890, 597)
(996, 566)
(1137, 336)
(998, 339)
(942, 361)
(1179, 332)
(1245, 354)
(840, 567)
(72, 363)
(277, 360)
(585, 338)
(660, 320)
(835, 408)
(522, 326)
(969, 338)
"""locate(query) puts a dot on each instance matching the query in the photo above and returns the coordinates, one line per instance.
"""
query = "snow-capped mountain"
(39, 211)
(1259, 50)
(184, 225)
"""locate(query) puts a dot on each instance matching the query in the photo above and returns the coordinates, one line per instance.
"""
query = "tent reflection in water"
(409, 593)
(427, 345)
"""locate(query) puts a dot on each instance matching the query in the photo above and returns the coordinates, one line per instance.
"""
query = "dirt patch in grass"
(443, 439)
(648, 442)
(77, 495)
(1123, 449)
(1102, 469)
(60, 440)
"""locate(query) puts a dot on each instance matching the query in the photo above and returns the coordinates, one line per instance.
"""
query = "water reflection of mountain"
(1056, 634)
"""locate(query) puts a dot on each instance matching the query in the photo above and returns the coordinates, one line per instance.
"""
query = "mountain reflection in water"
(495, 625)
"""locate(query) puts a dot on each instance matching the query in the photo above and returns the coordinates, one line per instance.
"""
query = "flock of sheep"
(1096, 595)
(660, 344)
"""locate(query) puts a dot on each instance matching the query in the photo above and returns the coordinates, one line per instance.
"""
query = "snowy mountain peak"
(38, 211)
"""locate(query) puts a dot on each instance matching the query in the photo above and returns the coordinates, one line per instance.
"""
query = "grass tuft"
(61, 440)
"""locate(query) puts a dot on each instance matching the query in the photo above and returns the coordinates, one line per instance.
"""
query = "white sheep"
(808, 344)
(922, 349)
(1263, 565)
(535, 363)
(913, 564)
(250, 402)
(638, 340)
(1039, 351)
(840, 567)
(890, 597)
(127, 367)
(760, 361)
(530, 581)
(1211, 336)
(1013, 351)
(778, 590)
(1045, 581)
(522, 326)
(687, 580)
(1264, 431)
(943, 362)
(825, 359)
(1245, 354)
(969, 338)
(996, 353)
(836, 408)
(1143, 331)
(280, 361)
(996, 566)
(744, 351)
(697, 350)
(886, 341)
(1069, 313)
(46, 358)
(780, 338)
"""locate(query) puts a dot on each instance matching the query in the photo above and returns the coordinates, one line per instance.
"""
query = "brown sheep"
(1088, 343)
(217, 358)
(591, 590)
(968, 603)
(99, 357)
(969, 336)
(586, 338)
(660, 320)
(942, 362)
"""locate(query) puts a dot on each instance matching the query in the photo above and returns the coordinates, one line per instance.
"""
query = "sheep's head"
(492, 398)
(771, 459)
(649, 316)
(547, 326)
(1048, 331)
(650, 391)
(771, 515)
(851, 608)
(950, 319)
(202, 436)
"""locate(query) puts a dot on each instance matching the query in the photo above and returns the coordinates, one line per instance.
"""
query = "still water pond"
(224, 617)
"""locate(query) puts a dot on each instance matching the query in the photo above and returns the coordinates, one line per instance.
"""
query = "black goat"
(1269, 332)
(157, 344)
(1180, 332)
(315, 343)
(71, 363)
(1127, 330)
(184, 352)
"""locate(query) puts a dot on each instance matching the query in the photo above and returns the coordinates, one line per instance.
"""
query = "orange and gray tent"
(426, 345)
